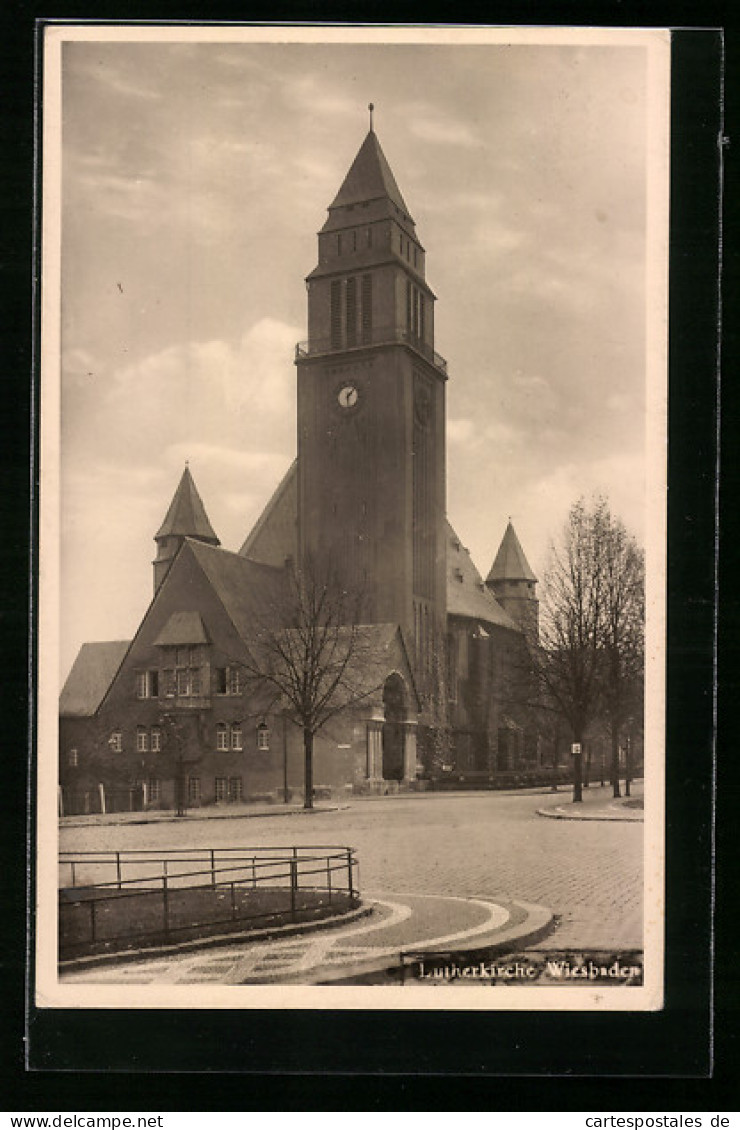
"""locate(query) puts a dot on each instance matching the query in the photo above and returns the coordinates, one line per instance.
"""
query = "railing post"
(254, 872)
(293, 883)
(165, 903)
(213, 869)
(118, 868)
(349, 873)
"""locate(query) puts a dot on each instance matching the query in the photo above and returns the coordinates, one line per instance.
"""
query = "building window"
(234, 680)
(193, 790)
(147, 684)
(156, 743)
(220, 680)
(221, 789)
(170, 683)
(72, 759)
(142, 740)
(263, 737)
(235, 790)
(351, 311)
(155, 791)
(236, 736)
(222, 737)
(183, 682)
(366, 308)
(115, 741)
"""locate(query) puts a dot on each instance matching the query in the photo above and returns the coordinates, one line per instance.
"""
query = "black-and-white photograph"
(353, 489)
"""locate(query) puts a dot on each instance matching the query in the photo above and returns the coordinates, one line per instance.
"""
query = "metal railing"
(381, 335)
(115, 899)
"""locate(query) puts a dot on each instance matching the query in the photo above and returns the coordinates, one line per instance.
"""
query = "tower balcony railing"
(380, 335)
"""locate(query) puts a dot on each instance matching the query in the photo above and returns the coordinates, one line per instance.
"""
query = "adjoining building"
(168, 717)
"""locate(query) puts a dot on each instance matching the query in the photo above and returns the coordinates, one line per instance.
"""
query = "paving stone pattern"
(483, 845)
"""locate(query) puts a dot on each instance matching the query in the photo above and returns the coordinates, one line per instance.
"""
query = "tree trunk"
(308, 768)
(615, 763)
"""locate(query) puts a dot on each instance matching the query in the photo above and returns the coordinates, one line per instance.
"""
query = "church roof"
(245, 588)
(467, 596)
(274, 535)
(369, 178)
(510, 564)
(91, 674)
(273, 538)
(187, 516)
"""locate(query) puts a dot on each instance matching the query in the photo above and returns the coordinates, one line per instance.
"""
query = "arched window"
(263, 736)
(236, 735)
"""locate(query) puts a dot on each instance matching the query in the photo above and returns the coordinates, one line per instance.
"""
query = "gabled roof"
(466, 594)
(245, 588)
(369, 178)
(187, 516)
(510, 564)
(92, 673)
(182, 628)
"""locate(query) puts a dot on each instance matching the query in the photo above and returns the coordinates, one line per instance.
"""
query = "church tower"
(186, 518)
(371, 411)
(514, 585)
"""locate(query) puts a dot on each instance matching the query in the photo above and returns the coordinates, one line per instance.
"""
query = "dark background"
(681, 1059)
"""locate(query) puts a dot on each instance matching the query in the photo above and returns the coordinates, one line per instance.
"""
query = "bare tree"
(591, 629)
(311, 655)
(622, 632)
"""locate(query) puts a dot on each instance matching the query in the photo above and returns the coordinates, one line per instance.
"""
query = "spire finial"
(371, 108)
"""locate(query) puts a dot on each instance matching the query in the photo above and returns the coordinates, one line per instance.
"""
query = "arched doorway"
(394, 737)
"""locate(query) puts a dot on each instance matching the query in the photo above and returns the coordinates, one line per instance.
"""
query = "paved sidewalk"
(398, 921)
(598, 804)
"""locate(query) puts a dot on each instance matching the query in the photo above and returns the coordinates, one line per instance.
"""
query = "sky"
(194, 178)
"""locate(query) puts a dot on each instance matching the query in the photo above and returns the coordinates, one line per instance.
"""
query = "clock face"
(348, 396)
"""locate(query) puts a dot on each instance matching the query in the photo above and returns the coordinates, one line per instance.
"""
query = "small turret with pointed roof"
(186, 518)
(514, 585)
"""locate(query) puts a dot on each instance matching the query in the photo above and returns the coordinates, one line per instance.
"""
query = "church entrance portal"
(394, 730)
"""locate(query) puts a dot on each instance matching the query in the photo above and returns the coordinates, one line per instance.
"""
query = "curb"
(269, 933)
(554, 813)
(72, 822)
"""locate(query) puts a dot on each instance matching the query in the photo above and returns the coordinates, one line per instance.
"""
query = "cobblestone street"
(478, 845)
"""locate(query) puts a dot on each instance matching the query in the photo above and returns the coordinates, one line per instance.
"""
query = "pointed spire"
(187, 516)
(369, 177)
(371, 108)
(510, 563)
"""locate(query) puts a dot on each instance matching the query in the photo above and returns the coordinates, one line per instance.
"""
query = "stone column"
(409, 751)
(374, 771)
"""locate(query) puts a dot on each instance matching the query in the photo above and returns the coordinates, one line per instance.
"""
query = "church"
(168, 719)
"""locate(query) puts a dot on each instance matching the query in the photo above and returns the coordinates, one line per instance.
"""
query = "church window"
(336, 314)
(142, 740)
(221, 786)
(351, 311)
(236, 736)
(222, 737)
(156, 740)
(367, 308)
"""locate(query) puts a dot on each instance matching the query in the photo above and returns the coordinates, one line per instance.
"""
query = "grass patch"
(94, 921)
